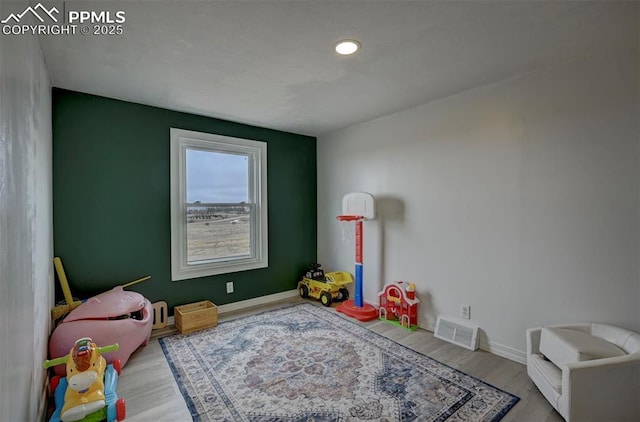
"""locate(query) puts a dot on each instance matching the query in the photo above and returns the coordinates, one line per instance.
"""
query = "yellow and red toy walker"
(88, 392)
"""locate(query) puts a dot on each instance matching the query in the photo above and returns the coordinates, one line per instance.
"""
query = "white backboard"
(359, 203)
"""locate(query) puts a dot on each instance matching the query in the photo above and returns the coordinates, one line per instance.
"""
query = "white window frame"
(181, 140)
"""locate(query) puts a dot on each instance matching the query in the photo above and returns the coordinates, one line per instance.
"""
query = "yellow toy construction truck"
(327, 287)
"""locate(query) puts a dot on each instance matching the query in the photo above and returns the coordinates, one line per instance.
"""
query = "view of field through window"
(218, 213)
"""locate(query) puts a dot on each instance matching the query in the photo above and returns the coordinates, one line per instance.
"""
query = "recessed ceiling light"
(346, 47)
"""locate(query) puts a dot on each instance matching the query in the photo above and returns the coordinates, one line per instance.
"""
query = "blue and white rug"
(304, 363)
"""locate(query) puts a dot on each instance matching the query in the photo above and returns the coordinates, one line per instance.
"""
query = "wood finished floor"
(152, 394)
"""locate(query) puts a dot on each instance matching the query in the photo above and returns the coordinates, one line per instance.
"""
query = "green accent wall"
(111, 196)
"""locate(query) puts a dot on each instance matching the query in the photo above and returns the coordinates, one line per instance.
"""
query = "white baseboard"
(229, 307)
(496, 348)
(504, 351)
(262, 300)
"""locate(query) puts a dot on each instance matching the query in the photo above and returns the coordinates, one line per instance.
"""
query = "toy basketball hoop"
(356, 207)
(347, 230)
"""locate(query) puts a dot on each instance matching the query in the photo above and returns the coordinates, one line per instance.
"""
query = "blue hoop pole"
(359, 302)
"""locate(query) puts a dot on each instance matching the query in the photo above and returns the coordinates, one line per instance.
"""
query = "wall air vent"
(457, 331)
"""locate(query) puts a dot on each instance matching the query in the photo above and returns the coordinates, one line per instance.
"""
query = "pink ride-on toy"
(116, 316)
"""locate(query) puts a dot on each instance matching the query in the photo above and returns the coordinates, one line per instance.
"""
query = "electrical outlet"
(465, 311)
(229, 286)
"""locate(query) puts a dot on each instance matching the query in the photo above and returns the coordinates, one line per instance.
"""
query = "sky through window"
(214, 177)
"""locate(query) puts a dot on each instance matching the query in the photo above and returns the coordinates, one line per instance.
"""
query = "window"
(218, 204)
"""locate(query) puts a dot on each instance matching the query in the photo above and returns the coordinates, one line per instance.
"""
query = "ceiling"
(271, 64)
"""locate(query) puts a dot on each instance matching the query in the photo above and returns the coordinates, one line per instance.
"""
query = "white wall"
(519, 198)
(26, 271)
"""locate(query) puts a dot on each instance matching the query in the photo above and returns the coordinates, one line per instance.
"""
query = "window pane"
(217, 177)
(218, 212)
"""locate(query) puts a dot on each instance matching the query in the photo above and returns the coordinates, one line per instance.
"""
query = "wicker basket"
(196, 316)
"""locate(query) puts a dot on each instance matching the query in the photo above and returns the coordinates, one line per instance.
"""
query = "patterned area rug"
(304, 363)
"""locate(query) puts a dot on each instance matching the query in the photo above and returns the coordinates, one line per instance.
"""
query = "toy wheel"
(121, 410)
(53, 384)
(344, 294)
(325, 298)
(117, 365)
(304, 291)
